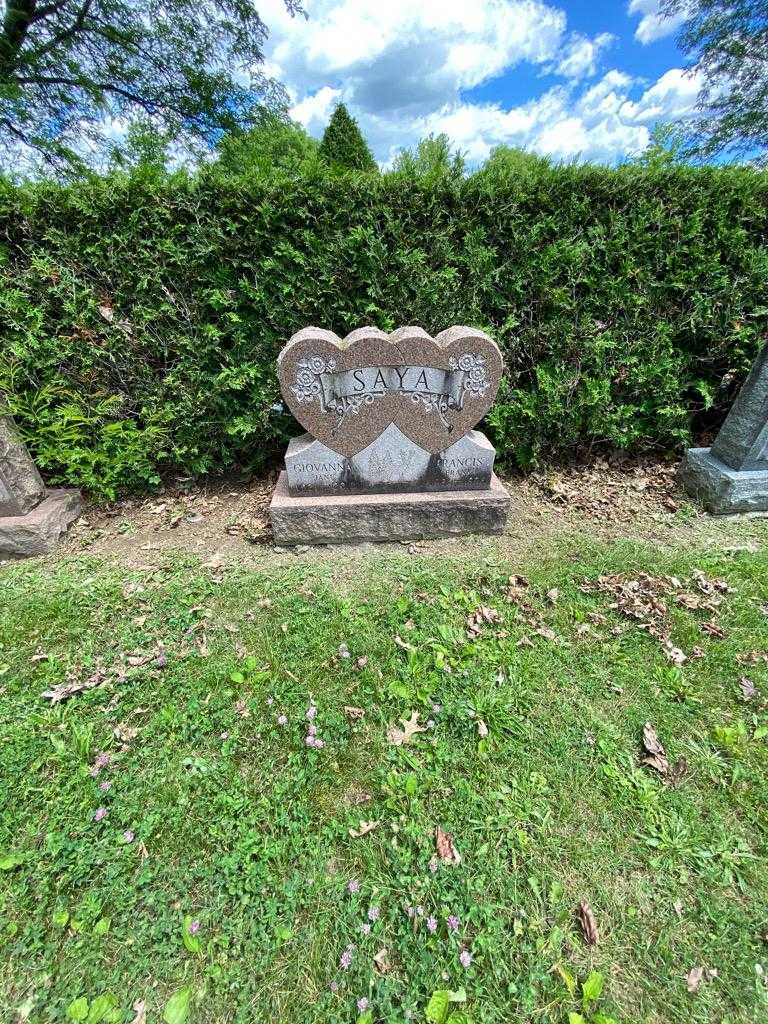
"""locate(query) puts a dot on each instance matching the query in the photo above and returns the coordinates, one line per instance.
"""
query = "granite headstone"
(388, 415)
(31, 519)
(732, 475)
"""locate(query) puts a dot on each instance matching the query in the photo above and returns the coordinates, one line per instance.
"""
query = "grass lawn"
(172, 849)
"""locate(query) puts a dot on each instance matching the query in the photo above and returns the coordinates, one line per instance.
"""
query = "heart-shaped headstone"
(345, 393)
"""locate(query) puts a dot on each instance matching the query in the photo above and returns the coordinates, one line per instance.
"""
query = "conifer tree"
(343, 144)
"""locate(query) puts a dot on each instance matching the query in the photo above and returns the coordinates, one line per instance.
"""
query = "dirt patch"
(227, 521)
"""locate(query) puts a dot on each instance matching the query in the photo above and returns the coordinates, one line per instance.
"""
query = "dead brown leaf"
(748, 688)
(752, 657)
(125, 733)
(446, 849)
(588, 924)
(353, 714)
(712, 629)
(381, 962)
(400, 737)
(402, 643)
(364, 828)
(656, 755)
(140, 1009)
(482, 729)
(694, 978)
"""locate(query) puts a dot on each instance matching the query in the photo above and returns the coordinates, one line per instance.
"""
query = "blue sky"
(572, 79)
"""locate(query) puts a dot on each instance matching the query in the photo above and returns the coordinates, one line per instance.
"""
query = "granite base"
(38, 532)
(721, 489)
(345, 519)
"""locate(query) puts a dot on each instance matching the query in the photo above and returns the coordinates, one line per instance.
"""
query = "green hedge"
(141, 316)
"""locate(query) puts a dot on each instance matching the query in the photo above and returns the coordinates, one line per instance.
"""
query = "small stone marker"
(31, 518)
(732, 475)
(390, 452)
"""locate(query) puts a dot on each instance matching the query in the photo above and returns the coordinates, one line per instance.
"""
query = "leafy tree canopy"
(343, 144)
(727, 41)
(72, 71)
(274, 145)
(433, 158)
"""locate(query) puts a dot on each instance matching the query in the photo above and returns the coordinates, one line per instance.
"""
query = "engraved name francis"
(430, 389)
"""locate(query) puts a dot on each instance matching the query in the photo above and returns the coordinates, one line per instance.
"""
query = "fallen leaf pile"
(101, 676)
(646, 599)
(516, 593)
(481, 616)
(609, 489)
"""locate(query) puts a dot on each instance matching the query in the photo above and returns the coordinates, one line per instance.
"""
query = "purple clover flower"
(453, 923)
(353, 886)
(105, 786)
(432, 924)
(194, 927)
(373, 913)
(465, 957)
(128, 836)
(101, 812)
(345, 959)
(362, 1004)
(282, 720)
(311, 712)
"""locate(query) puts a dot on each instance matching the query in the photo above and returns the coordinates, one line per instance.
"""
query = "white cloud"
(673, 96)
(557, 124)
(404, 67)
(653, 24)
(580, 55)
(315, 111)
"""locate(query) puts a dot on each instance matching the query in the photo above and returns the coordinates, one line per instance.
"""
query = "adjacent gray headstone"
(31, 519)
(21, 487)
(390, 453)
(732, 475)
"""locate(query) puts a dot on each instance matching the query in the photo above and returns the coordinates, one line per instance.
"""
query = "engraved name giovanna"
(431, 390)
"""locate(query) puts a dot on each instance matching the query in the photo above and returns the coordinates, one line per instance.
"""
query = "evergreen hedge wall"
(140, 317)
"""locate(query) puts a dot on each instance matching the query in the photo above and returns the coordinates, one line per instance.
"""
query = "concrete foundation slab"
(345, 519)
(37, 532)
(719, 488)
